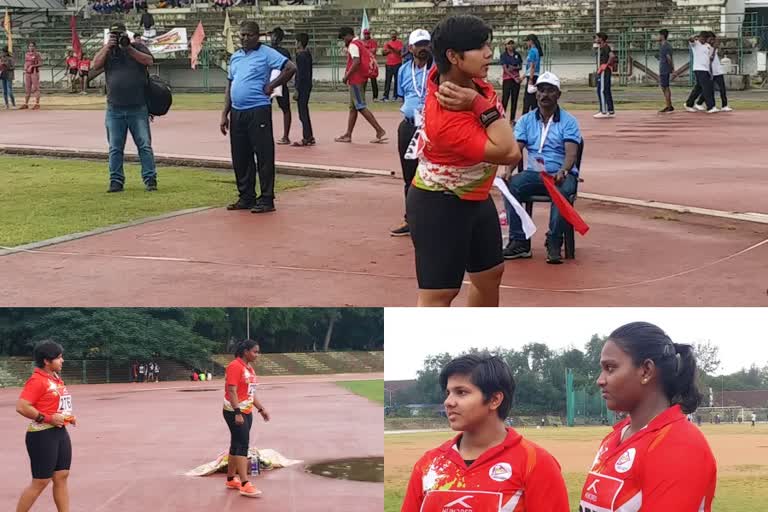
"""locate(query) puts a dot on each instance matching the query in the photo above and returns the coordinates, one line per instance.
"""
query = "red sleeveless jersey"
(666, 467)
(515, 476)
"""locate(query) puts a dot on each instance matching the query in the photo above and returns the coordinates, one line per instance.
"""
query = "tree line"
(539, 373)
(188, 334)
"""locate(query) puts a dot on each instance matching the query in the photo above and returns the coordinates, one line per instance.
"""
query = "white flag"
(528, 226)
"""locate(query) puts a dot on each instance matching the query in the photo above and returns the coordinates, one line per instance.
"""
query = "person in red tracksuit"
(654, 460)
(488, 467)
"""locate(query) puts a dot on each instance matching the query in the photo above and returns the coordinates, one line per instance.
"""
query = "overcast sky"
(410, 334)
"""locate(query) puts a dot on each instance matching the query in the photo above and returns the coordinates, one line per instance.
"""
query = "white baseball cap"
(548, 78)
(418, 35)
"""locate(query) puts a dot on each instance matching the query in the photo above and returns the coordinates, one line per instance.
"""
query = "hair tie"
(678, 364)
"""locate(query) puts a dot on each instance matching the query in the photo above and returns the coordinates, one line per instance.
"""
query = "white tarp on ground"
(270, 459)
(175, 40)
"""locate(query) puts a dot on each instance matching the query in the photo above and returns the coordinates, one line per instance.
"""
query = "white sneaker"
(611, 114)
(713, 110)
(700, 108)
(726, 109)
(600, 115)
(689, 109)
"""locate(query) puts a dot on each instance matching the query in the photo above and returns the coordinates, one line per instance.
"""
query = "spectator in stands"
(393, 50)
(511, 61)
(248, 115)
(284, 101)
(452, 217)
(607, 61)
(72, 64)
(32, 62)
(552, 137)
(666, 68)
(702, 68)
(7, 72)
(373, 47)
(718, 78)
(532, 70)
(356, 77)
(84, 66)
(304, 88)
(412, 87)
(125, 65)
(148, 22)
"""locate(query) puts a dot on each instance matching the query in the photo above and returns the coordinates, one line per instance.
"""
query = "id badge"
(418, 119)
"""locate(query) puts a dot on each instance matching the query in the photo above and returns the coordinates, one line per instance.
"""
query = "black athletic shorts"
(451, 236)
(284, 101)
(49, 450)
(73, 71)
(240, 434)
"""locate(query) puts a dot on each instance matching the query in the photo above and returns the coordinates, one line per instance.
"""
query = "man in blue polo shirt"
(412, 87)
(248, 116)
(552, 137)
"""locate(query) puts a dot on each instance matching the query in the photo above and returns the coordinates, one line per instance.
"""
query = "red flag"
(197, 43)
(76, 48)
(566, 209)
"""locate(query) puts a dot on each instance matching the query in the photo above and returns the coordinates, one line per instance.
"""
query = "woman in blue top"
(532, 69)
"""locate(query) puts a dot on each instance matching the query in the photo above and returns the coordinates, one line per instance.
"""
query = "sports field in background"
(43, 198)
(371, 389)
(741, 453)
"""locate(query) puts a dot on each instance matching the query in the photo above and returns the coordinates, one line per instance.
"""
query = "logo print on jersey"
(500, 472)
(624, 463)
(459, 502)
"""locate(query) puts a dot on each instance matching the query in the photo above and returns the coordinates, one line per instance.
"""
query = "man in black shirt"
(304, 88)
(283, 101)
(604, 72)
(125, 65)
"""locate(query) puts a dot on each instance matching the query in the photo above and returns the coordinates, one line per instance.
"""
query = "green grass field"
(741, 453)
(574, 98)
(42, 198)
(371, 389)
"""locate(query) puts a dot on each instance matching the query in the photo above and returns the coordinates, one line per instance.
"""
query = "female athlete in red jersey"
(487, 467)
(239, 402)
(46, 401)
(654, 460)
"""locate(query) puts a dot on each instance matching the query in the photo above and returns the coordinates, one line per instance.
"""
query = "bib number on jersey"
(600, 493)
(65, 404)
(461, 501)
(251, 389)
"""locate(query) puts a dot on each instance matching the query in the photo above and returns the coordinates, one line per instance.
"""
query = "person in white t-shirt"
(717, 78)
(703, 54)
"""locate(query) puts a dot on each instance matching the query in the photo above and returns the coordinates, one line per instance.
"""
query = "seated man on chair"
(552, 137)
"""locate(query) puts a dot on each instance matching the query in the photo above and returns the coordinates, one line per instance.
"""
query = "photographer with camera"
(125, 65)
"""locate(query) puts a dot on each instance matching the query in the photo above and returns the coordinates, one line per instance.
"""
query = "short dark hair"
(676, 362)
(251, 25)
(46, 349)
(346, 31)
(489, 373)
(460, 34)
(664, 32)
(602, 35)
(302, 38)
(244, 346)
(278, 33)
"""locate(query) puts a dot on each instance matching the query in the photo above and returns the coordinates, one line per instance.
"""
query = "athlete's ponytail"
(536, 43)
(243, 346)
(675, 362)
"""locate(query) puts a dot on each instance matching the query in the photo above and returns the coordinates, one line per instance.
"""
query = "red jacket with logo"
(667, 466)
(515, 476)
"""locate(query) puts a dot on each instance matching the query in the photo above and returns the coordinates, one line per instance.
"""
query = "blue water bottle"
(254, 465)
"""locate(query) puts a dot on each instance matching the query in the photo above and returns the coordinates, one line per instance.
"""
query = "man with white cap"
(412, 87)
(552, 138)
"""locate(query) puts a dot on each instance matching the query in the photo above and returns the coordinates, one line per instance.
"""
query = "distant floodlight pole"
(597, 15)
(247, 323)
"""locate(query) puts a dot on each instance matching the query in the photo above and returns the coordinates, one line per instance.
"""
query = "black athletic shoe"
(517, 249)
(150, 185)
(401, 230)
(553, 253)
(115, 186)
(263, 207)
(240, 205)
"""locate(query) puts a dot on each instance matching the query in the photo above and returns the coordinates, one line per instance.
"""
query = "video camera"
(121, 35)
